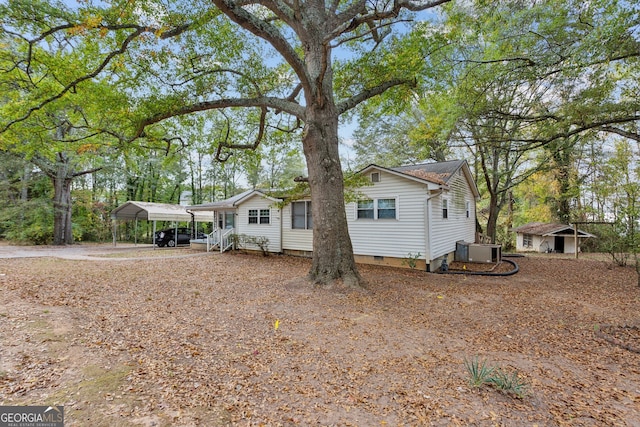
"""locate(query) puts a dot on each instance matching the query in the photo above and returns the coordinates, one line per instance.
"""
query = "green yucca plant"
(510, 383)
(479, 371)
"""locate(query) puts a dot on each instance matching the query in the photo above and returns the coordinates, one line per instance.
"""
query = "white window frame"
(375, 207)
(445, 208)
(375, 177)
(252, 214)
(360, 208)
(527, 240)
(468, 209)
(264, 216)
(308, 218)
(259, 216)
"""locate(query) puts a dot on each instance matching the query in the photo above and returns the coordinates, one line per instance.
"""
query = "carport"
(148, 211)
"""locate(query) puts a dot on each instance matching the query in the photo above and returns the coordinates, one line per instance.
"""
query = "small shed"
(148, 211)
(548, 237)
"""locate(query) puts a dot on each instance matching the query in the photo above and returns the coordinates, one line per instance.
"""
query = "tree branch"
(258, 102)
(253, 146)
(370, 93)
(621, 132)
(85, 172)
(267, 32)
(349, 20)
(139, 30)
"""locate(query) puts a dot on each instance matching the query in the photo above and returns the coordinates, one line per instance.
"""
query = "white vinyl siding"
(392, 195)
(295, 239)
(267, 225)
(446, 232)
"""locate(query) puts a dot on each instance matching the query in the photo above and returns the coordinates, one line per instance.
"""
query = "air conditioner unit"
(485, 253)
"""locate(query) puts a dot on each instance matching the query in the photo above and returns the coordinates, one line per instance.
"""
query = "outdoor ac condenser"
(485, 253)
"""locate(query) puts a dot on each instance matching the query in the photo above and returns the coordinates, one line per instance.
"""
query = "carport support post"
(575, 238)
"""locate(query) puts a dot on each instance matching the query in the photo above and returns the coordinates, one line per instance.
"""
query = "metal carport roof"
(157, 212)
(149, 211)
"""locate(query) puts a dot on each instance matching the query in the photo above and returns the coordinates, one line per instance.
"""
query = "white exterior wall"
(520, 244)
(270, 231)
(297, 240)
(570, 245)
(410, 233)
(446, 232)
(539, 243)
(391, 237)
(546, 243)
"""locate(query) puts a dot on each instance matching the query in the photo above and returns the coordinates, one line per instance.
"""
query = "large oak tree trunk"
(61, 173)
(332, 250)
(492, 221)
(62, 233)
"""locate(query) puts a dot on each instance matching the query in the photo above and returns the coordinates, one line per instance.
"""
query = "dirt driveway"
(78, 251)
(182, 339)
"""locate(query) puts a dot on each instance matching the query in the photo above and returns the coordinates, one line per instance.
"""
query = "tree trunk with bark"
(61, 172)
(62, 232)
(303, 33)
(332, 250)
(492, 221)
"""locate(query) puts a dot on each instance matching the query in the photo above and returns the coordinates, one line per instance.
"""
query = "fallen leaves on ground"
(237, 339)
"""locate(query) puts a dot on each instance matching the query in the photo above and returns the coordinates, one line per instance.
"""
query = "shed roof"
(157, 212)
(549, 229)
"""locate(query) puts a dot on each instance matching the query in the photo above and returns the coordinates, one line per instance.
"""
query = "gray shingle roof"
(438, 170)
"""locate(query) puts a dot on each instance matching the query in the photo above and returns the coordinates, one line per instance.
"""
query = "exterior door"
(559, 244)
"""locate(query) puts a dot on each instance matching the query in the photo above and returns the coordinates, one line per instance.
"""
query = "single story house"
(548, 237)
(413, 212)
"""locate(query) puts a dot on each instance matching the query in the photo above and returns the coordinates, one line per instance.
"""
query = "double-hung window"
(445, 208)
(259, 216)
(301, 218)
(377, 209)
(365, 209)
(386, 208)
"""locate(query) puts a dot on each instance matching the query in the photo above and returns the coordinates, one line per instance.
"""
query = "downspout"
(427, 226)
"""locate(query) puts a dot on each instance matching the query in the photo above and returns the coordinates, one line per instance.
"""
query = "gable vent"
(375, 177)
